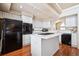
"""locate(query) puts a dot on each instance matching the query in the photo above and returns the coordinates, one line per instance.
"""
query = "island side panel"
(35, 45)
(50, 46)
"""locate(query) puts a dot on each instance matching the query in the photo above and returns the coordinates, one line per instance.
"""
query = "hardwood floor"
(64, 50)
(25, 51)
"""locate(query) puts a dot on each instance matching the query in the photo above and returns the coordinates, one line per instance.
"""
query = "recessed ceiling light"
(21, 6)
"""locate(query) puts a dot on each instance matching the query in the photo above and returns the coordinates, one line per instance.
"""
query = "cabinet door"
(37, 24)
(46, 24)
(42, 24)
(71, 21)
(26, 40)
(11, 16)
(1, 14)
(26, 19)
(74, 40)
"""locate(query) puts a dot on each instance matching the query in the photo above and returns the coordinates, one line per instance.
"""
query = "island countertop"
(47, 36)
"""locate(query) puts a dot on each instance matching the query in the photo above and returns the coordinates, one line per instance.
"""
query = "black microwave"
(27, 28)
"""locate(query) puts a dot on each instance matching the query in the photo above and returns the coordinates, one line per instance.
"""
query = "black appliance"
(45, 33)
(10, 35)
(27, 28)
(66, 39)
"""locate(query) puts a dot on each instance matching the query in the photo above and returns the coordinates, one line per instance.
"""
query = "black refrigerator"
(10, 35)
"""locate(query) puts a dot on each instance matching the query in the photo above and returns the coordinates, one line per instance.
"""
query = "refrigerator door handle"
(18, 37)
(1, 40)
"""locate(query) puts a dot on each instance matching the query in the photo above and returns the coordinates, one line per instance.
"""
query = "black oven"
(27, 28)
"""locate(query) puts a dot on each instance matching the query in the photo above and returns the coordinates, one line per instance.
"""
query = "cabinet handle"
(1, 40)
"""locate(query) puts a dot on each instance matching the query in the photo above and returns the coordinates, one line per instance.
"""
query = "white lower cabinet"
(74, 40)
(26, 40)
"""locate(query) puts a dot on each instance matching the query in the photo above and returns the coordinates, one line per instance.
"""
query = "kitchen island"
(44, 45)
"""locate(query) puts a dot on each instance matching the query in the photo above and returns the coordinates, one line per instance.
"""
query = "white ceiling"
(43, 10)
(67, 5)
(36, 9)
(21, 7)
(55, 7)
(5, 7)
(39, 10)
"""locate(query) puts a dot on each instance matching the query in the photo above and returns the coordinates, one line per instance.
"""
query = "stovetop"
(45, 33)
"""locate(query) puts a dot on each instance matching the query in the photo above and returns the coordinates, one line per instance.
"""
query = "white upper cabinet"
(41, 24)
(37, 24)
(26, 19)
(1, 14)
(9, 15)
(46, 24)
(71, 21)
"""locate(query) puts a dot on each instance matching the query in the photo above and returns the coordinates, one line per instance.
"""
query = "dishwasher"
(66, 39)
